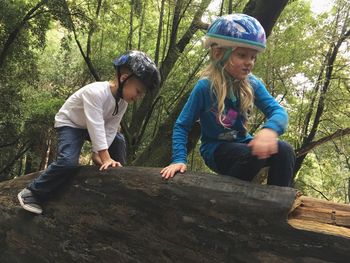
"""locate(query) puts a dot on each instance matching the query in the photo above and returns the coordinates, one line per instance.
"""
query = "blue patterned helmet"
(236, 30)
(140, 66)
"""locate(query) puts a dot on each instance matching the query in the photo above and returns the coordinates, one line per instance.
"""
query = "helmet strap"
(226, 56)
(120, 90)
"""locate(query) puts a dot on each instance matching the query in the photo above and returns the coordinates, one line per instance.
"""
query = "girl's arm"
(264, 143)
(276, 116)
(189, 114)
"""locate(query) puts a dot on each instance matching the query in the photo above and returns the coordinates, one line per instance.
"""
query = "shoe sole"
(28, 208)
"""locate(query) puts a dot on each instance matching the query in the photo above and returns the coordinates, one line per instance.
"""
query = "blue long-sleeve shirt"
(202, 105)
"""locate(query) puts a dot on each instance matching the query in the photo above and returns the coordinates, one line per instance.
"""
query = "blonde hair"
(221, 83)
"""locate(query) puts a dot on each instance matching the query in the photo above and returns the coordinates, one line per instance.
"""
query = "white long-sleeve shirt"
(91, 108)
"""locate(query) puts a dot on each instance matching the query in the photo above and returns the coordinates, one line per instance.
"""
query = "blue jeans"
(235, 159)
(70, 142)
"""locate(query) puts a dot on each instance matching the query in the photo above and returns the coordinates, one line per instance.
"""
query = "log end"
(320, 216)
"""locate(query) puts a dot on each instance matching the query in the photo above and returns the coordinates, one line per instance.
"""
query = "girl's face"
(241, 62)
(133, 90)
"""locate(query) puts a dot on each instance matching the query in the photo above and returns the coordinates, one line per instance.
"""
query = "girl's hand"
(172, 169)
(264, 143)
(109, 162)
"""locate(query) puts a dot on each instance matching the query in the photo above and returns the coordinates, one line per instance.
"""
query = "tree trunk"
(142, 20)
(266, 11)
(230, 7)
(45, 155)
(21, 150)
(86, 55)
(132, 215)
(131, 28)
(159, 35)
(28, 164)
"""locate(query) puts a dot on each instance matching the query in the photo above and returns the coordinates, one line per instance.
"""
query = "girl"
(222, 101)
(93, 113)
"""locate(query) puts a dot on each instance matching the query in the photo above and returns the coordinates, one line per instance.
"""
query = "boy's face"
(133, 90)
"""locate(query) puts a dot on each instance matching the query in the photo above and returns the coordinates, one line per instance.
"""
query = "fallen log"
(132, 215)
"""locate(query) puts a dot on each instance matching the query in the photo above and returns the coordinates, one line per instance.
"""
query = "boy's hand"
(111, 163)
(264, 143)
(107, 161)
(172, 169)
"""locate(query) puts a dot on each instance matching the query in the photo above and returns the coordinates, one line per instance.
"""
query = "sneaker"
(29, 202)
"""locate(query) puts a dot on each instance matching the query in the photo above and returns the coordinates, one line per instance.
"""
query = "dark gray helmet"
(140, 66)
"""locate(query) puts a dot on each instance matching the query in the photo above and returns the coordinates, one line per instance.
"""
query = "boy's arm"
(113, 125)
(93, 110)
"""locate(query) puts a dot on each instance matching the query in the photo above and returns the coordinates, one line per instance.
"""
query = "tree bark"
(132, 215)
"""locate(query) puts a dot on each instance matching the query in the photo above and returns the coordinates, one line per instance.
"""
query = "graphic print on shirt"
(229, 119)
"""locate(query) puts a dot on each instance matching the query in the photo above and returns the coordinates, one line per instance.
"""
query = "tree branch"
(13, 35)
(312, 145)
(9, 143)
(25, 147)
(324, 90)
(316, 190)
(160, 27)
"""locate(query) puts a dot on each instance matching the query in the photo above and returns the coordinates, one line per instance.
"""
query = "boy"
(93, 113)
